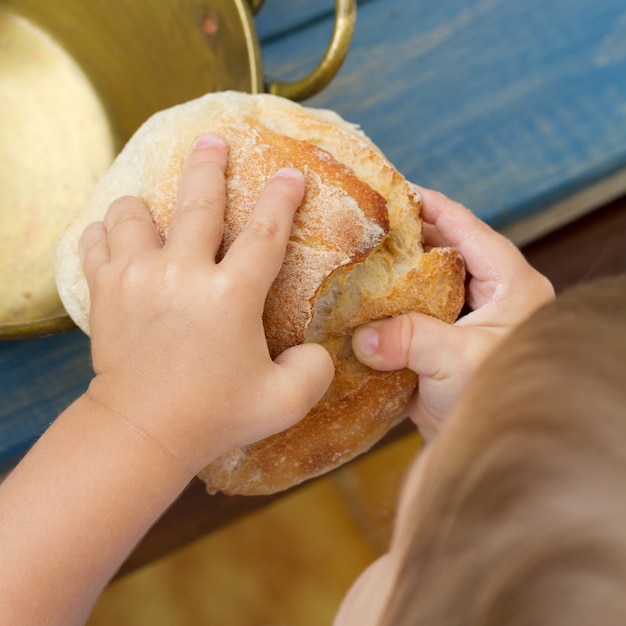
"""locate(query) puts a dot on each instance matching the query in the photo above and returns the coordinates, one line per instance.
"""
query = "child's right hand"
(502, 290)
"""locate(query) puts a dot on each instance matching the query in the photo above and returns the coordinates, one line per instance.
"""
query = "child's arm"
(183, 374)
(503, 289)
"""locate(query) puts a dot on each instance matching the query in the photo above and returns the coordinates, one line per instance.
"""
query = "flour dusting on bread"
(355, 255)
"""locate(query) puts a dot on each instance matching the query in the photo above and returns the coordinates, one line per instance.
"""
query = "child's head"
(516, 514)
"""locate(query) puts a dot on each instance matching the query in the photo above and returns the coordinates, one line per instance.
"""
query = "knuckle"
(207, 156)
(264, 227)
(225, 288)
(101, 281)
(123, 278)
(121, 205)
(193, 202)
(124, 209)
(91, 235)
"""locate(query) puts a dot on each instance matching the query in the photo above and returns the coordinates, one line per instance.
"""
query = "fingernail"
(289, 172)
(367, 341)
(209, 141)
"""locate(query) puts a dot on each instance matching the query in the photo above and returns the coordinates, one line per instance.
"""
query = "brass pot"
(77, 78)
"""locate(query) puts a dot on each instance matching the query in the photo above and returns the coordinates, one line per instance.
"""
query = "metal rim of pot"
(313, 83)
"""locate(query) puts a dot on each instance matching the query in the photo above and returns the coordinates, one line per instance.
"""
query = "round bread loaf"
(355, 255)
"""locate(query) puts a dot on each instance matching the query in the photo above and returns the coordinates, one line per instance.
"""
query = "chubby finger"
(497, 268)
(422, 343)
(305, 374)
(130, 228)
(458, 227)
(197, 225)
(432, 237)
(259, 249)
(93, 249)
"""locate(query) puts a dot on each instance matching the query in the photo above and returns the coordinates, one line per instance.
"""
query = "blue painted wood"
(277, 17)
(38, 379)
(507, 106)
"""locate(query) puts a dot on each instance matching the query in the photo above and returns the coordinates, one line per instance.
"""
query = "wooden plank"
(565, 211)
(38, 379)
(507, 106)
(592, 247)
(278, 17)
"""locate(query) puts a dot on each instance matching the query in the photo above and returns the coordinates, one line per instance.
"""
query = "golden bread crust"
(361, 405)
(335, 431)
(355, 254)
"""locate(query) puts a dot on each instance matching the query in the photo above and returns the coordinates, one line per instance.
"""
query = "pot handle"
(345, 18)
(255, 5)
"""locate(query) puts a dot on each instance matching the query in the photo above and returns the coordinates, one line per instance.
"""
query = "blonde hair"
(521, 515)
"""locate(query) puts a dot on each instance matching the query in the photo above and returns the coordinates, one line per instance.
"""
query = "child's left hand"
(178, 343)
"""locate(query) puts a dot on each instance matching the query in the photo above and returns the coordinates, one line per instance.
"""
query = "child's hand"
(178, 343)
(503, 289)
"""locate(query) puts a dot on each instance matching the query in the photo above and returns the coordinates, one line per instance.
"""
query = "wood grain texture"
(589, 248)
(279, 17)
(38, 379)
(506, 106)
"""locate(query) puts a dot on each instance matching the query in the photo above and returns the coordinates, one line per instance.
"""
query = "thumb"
(305, 373)
(422, 343)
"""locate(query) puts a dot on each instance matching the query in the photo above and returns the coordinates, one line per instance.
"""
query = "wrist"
(92, 486)
(116, 424)
(161, 428)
